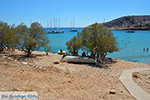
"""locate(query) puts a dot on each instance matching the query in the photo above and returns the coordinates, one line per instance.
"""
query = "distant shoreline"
(130, 29)
(128, 22)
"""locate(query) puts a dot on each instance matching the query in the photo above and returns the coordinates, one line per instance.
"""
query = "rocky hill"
(132, 22)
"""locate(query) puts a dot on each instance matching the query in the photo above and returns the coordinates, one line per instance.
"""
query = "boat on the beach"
(78, 59)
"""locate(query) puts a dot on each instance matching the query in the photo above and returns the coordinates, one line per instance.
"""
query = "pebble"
(25, 63)
(148, 77)
(4, 56)
(40, 67)
(51, 90)
(56, 62)
(44, 68)
(112, 91)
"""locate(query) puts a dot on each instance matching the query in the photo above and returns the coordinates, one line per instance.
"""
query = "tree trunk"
(46, 53)
(1, 49)
(92, 55)
(29, 53)
(97, 56)
(13, 49)
(102, 57)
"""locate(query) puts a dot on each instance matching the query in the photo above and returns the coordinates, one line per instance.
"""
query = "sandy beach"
(63, 81)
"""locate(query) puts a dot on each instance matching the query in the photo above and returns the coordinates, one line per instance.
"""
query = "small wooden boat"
(62, 52)
(78, 59)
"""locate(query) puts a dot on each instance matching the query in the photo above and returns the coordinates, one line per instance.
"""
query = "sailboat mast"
(59, 24)
(73, 22)
(50, 23)
(54, 22)
(47, 23)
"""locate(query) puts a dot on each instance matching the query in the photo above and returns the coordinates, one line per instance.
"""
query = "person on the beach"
(83, 54)
(61, 51)
(143, 49)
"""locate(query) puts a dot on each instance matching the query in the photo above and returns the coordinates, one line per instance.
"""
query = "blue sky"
(85, 12)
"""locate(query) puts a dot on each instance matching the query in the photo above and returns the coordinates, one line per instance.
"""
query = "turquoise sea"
(130, 44)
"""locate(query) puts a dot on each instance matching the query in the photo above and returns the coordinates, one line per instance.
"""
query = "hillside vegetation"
(126, 22)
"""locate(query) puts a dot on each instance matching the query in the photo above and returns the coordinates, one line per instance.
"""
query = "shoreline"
(43, 53)
(106, 57)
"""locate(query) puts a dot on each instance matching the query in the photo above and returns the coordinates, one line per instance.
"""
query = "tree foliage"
(8, 35)
(23, 38)
(73, 45)
(32, 38)
(96, 40)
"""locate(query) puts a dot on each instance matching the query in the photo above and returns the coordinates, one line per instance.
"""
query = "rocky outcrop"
(126, 22)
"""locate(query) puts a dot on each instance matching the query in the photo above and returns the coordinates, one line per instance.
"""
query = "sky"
(84, 12)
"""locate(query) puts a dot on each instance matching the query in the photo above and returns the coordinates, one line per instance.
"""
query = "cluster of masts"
(56, 28)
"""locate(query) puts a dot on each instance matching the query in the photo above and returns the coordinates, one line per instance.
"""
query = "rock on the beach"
(112, 91)
(56, 62)
(148, 77)
(25, 63)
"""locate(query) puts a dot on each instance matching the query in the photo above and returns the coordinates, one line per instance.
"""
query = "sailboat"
(73, 29)
(58, 30)
(47, 27)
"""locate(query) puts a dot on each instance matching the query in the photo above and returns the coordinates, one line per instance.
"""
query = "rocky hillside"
(132, 22)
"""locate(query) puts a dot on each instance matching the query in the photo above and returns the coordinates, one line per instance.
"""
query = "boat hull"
(78, 59)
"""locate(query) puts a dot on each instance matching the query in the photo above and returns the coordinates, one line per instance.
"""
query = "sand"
(63, 81)
(143, 80)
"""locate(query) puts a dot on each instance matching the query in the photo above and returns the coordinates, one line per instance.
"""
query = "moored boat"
(73, 24)
(73, 30)
(130, 31)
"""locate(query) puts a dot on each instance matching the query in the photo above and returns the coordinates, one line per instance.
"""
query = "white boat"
(73, 30)
(78, 59)
(58, 31)
(130, 31)
(72, 25)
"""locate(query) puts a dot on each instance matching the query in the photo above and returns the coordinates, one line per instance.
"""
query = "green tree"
(4, 33)
(98, 41)
(8, 35)
(13, 37)
(1, 36)
(21, 30)
(73, 45)
(32, 38)
(121, 21)
(47, 47)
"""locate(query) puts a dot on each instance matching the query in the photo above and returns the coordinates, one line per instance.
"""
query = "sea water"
(130, 45)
